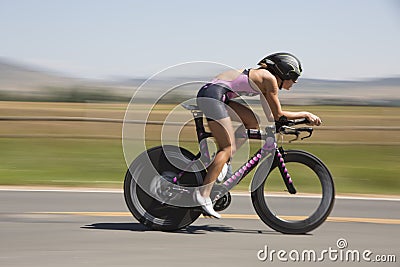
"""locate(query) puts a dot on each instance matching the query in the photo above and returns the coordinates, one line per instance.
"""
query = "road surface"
(94, 228)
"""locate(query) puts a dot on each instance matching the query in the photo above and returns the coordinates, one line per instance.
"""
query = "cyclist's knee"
(227, 152)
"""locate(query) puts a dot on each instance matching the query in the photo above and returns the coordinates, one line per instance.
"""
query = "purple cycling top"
(239, 86)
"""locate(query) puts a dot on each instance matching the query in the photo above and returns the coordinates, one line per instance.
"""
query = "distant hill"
(19, 82)
(382, 91)
(14, 77)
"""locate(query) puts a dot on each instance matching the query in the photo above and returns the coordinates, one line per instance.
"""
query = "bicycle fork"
(279, 159)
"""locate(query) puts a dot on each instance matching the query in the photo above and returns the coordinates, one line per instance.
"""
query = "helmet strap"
(280, 86)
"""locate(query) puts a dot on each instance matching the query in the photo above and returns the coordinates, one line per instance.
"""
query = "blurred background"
(68, 71)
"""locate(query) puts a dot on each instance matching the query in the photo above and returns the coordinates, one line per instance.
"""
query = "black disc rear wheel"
(147, 194)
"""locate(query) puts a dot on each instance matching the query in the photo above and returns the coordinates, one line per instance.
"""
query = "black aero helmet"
(285, 65)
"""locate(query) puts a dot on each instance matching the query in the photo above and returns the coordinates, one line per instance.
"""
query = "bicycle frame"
(269, 148)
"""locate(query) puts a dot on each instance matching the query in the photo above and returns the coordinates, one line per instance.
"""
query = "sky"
(334, 39)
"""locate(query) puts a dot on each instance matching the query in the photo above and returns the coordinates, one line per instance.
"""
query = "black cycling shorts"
(212, 100)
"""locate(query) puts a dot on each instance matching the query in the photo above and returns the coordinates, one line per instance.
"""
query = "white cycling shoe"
(225, 174)
(206, 204)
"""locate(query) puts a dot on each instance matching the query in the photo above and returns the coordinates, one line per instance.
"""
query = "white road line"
(63, 190)
(237, 194)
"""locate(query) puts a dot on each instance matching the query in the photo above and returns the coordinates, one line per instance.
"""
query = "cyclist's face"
(287, 84)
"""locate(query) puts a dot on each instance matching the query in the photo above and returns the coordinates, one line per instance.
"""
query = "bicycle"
(160, 179)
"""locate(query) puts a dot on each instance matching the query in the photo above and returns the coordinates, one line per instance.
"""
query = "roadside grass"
(43, 154)
(368, 169)
(63, 162)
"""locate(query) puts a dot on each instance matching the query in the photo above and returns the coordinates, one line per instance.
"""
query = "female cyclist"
(276, 71)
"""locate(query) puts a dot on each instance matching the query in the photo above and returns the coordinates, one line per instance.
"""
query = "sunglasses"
(293, 76)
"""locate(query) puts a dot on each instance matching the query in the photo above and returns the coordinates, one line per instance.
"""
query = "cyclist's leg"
(211, 99)
(223, 134)
(244, 115)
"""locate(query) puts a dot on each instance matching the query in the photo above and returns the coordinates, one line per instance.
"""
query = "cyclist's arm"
(272, 100)
(268, 86)
(266, 109)
(270, 93)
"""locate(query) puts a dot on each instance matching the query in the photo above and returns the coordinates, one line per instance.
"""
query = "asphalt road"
(50, 228)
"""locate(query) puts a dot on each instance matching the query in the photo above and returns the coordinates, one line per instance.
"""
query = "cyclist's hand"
(313, 119)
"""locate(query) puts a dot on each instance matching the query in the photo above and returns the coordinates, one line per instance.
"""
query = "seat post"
(200, 130)
(198, 119)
